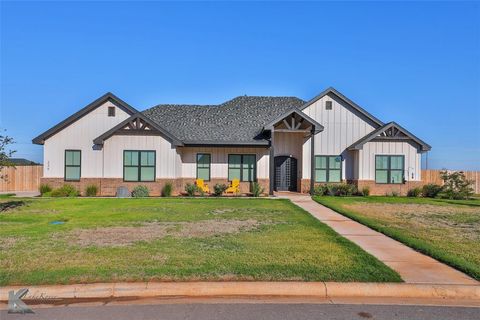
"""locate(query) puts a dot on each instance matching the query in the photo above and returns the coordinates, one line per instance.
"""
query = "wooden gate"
(21, 178)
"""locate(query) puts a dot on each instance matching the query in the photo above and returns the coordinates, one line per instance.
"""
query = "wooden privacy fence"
(21, 178)
(27, 178)
(433, 176)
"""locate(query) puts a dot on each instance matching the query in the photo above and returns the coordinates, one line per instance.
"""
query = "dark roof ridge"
(221, 104)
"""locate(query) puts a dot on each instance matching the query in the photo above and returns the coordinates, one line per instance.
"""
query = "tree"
(456, 185)
(4, 154)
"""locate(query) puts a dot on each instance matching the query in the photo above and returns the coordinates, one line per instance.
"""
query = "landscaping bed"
(447, 230)
(75, 240)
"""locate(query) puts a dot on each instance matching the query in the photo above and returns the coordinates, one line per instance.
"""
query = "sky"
(416, 63)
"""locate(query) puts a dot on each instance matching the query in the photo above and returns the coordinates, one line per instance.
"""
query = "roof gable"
(137, 124)
(390, 132)
(82, 112)
(294, 113)
(352, 104)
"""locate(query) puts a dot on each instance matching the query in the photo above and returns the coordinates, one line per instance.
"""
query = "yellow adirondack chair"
(234, 186)
(202, 186)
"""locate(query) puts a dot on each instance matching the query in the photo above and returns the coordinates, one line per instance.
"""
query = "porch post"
(312, 160)
(271, 165)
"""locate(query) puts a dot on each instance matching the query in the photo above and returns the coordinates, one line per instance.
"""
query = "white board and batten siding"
(219, 160)
(167, 158)
(290, 144)
(366, 158)
(343, 126)
(79, 136)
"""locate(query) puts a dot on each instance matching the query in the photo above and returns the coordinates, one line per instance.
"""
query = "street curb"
(324, 290)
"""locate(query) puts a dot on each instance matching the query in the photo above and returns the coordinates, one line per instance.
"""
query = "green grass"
(447, 230)
(289, 244)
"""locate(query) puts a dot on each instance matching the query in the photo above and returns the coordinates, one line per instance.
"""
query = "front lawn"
(46, 241)
(448, 230)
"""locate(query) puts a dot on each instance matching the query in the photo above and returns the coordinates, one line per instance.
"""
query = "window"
(389, 169)
(203, 166)
(138, 165)
(328, 168)
(242, 167)
(328, 105)
(73, 160)
(111, 111)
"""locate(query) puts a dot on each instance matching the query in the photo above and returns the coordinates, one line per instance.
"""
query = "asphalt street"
(249, 311)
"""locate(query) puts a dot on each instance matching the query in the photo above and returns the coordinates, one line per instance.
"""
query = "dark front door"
(285, 173)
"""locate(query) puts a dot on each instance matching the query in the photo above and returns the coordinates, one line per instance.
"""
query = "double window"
(328, 168)
(203, 166)
(73, 160)
(242, 167)
(138, 165)
(389, 169)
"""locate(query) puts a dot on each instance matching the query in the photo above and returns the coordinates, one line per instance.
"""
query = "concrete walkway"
(412, 266)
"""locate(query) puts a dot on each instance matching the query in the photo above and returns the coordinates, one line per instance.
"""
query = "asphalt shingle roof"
(238, 120)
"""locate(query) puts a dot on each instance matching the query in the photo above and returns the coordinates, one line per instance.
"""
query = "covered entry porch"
(288, 133)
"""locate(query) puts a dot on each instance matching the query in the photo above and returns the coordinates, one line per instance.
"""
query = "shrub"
(342, 189)
(219, 189)
(365, 191)
(190, 189)
(67, 190)
(320, 190)
(456, 186)
(431, 190)
(167, 189)
(415, 192)
(335, 189)
(392, 194)
(256, 189)
(140, 191)
(44, 188)
(91, 190)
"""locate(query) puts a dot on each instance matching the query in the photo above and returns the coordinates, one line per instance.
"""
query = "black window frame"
(111, 114)
(327, 176)
(241, 166)
(209, 165)
(328, 105)
(140, 166)
(73, 166)
(389, 169)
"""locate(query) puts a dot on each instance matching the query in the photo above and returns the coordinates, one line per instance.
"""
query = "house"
(283, 143)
